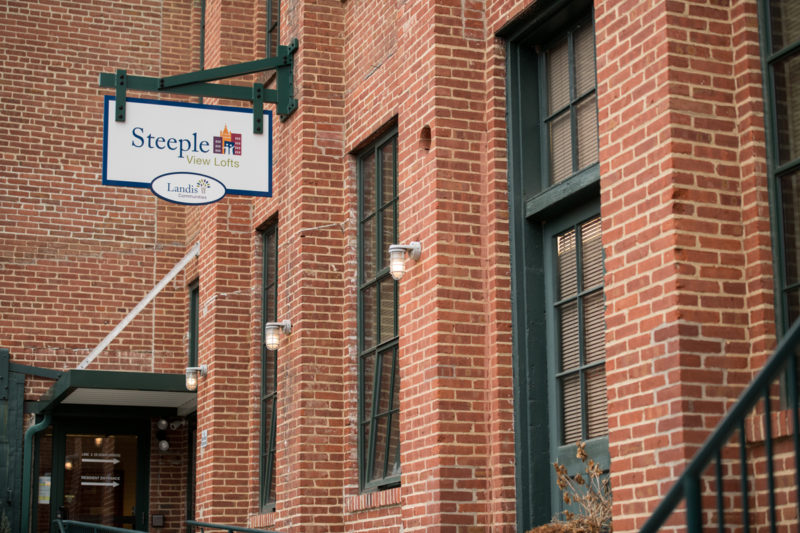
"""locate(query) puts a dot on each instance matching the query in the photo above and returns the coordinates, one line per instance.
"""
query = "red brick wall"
(77, 256)
(685, 228)
(686, 235)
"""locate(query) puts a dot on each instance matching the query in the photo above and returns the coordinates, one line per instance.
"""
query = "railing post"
(694, 507)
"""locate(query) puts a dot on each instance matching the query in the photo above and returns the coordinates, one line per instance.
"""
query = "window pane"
(793, 304)
(269, 374)
(272, 478)
(368, 368)
(368, 260)
(269, 252)
(394, 445)
(365, 436)
(269, 309)
(368, 194)
(591, 254)
(567, 265)
(596, 415)
(388, 307)
(570, 337)
(790, 200)
(595, 327)
(396, 388)
(584, 59)
(570, 409)
(385, 391)
(560, 148)
(389, 235)
(387, 172)
(272, 39)
(381, 434)
(267, 406)
(787, 107)
(274, 10)
(586, 116)
(558, 76)
(785, 22)
(369, 317)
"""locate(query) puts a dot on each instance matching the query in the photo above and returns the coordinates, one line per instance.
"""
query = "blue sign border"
(241, 192)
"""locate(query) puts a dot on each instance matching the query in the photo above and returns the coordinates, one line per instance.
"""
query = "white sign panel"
(187, 153)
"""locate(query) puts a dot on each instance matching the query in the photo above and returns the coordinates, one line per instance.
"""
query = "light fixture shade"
(163, 445)
(272, 337)
(193, 373)
(191, 380)
(397, 257)
(273, 331)
(397, 262)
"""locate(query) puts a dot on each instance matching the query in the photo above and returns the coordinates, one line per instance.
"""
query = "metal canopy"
(130, 389)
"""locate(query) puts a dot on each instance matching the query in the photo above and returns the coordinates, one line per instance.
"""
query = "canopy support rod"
(194, 252)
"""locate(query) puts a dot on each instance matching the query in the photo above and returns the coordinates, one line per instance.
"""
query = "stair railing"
(753, 499)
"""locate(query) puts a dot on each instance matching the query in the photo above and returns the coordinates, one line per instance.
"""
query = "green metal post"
(121, 86)
(258, 108)
(694, 520)
(27, 463)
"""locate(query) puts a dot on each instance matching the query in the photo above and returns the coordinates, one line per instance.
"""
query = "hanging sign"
(187, 153)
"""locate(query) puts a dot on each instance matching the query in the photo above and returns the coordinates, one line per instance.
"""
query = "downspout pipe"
(27, 468)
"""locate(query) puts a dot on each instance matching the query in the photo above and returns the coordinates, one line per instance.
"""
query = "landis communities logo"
(192, 187)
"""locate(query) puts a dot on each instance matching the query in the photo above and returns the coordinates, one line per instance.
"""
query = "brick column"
(456, 418)
(685, 231)
(310, 188)
(225, 234)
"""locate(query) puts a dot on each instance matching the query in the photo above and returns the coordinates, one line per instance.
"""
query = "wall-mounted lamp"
(193, 373)
(397, 257)
(272, 333)
(163, 443)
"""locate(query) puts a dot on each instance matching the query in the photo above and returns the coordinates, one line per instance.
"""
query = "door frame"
(108, 424)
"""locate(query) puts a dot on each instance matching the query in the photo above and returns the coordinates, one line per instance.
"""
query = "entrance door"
(101, 474)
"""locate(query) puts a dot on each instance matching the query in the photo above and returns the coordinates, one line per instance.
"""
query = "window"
(576, 336)
(194, 323)
(273, 24)
(780, 31)
(379, 380)
(557, 254)
(269, 368)
(570, 117)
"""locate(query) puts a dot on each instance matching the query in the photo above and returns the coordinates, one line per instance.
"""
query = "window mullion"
(373, 422)
(581, 332)
(573, 119)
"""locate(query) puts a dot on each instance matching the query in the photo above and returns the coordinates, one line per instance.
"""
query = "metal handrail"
(230, 529)
(88, 526)
(688, 484)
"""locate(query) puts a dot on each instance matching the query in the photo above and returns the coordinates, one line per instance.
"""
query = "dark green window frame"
(780, 55)
(273, 27)
(378, 377)
(193, 332)
(202, 65)
(269, 369)
(535, 203)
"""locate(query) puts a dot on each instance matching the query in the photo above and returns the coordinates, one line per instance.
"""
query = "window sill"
(572, 191)
(261, 520)
(372, 500)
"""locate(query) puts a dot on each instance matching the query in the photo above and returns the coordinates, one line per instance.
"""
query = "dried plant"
(589, 496)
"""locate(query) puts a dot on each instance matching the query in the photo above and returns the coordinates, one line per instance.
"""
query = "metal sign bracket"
(198, 84)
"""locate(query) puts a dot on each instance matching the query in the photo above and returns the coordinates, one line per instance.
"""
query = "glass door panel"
(100, 479)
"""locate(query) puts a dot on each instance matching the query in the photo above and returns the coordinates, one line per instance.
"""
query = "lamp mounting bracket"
(198, 84)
